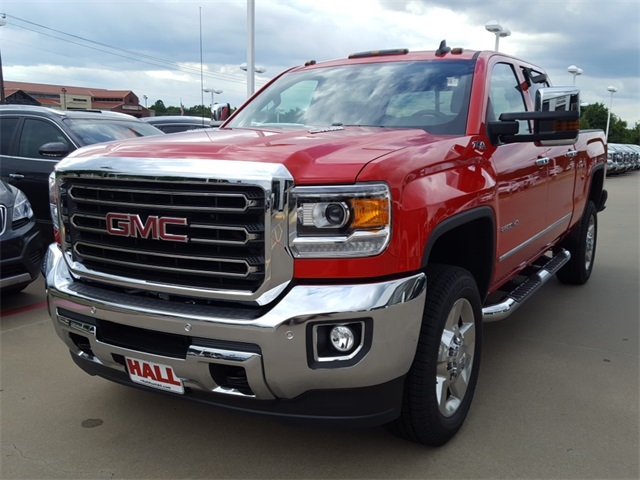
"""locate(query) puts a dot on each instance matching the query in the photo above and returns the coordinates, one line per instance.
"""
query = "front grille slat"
(206, 201)
(219, 242)
(212, 234)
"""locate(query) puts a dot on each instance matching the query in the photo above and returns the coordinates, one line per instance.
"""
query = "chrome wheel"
(455, 357)
(590, 242)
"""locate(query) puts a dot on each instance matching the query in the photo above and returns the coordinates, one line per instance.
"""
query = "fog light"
(342, 338)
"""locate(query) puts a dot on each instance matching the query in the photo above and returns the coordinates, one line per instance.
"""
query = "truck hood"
(334, 154)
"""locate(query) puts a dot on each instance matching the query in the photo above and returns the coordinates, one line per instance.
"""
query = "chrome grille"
(3, 218)
(225, 228)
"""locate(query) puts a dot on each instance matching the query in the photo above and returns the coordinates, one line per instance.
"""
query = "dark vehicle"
(34, 139)
(20, 241)
(176, 123)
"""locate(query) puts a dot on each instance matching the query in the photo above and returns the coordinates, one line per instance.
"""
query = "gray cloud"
(600, 36)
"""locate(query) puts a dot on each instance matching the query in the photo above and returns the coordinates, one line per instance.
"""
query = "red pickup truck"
(332, 251)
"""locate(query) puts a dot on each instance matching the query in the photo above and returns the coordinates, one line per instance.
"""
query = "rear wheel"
(581, 243)
(442, 379)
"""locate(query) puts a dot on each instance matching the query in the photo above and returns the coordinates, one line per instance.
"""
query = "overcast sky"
(153, 47)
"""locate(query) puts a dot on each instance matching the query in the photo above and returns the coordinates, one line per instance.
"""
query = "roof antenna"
(443, 49)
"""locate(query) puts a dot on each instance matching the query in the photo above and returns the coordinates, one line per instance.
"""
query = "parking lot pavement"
(558, 397)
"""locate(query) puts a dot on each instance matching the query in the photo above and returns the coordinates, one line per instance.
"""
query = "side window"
(505, 95)
(7, 129)
(535, 87)
(36, 133)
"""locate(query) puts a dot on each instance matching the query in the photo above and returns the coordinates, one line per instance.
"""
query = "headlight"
(340, 221)
(53, 206)
(21, 207)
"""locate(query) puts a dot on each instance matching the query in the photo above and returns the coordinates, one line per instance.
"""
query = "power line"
(151, 59)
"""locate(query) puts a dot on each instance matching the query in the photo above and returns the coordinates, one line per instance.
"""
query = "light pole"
(256, 69)
(145, 100)
(251, 46)
(211, 91)
(611, 90)
(64, 98)
(575, 71)
(3, 100)
(498, 30)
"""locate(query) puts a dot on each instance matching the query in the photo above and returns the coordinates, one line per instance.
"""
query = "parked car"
(20, 241)
(636, 149)
(612, 161)
(177, 123)
(632, 156)
(33, 139)
(615, 159)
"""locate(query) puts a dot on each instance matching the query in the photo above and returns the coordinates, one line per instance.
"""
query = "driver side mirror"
(54, 150)
(556, 120)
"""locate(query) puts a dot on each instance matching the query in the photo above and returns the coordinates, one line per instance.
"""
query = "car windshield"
(432, 95)
(97, 130)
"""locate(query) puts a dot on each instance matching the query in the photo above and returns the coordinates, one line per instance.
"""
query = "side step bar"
(500, 311)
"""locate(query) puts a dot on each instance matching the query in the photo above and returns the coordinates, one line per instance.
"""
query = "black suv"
(34, 139)
(20, 242)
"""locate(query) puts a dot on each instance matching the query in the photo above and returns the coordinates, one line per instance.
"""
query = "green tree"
(634, 134)
(617, 130)
(594, 116)
(159, 108)
(198, 111)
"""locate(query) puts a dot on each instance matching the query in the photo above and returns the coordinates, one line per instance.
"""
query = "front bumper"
(274, 352)
(20, 256)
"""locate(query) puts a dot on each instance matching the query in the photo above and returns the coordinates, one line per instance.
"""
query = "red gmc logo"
(128, 225)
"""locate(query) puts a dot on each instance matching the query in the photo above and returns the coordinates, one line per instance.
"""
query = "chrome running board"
(500, 311)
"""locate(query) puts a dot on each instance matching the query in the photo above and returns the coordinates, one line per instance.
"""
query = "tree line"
(593, 116)
(197, 110)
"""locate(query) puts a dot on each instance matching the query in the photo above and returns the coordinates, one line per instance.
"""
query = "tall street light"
(611, 90)
(256, 69)
(575, 71)
(251, 46)
(3, 100)
(212, 91)
(145, 100)
(498, 30)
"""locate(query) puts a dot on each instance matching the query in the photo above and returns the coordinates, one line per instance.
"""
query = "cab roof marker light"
(380, 53)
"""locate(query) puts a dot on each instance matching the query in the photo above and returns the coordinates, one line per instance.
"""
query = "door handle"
(16, 176)
(542, 161)
(572, 153)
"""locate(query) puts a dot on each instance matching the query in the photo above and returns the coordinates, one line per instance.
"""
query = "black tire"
(452, 302)
(581, 244)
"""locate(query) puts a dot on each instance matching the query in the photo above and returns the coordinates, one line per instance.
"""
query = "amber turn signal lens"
(370, 212)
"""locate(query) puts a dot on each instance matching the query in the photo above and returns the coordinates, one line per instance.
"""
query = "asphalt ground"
(558, 397)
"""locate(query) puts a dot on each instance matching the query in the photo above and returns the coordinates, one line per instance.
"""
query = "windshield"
(97, 130)
(432, 95)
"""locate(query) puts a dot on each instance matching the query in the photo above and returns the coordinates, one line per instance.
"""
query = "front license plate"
(154, 375)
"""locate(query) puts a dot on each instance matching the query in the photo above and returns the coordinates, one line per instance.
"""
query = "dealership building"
(66, 97)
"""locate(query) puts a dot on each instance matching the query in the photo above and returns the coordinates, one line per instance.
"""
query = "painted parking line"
(28, 308)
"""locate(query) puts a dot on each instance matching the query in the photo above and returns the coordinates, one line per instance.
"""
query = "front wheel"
(442, 379)
(581, 243)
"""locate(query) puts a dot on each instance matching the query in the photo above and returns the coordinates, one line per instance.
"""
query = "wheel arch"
(466, 240)
(597, 193)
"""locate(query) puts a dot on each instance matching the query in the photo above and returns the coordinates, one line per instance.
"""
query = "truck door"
(564, 161)
(522, 173)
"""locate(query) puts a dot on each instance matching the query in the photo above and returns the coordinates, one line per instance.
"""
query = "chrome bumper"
(281, 367)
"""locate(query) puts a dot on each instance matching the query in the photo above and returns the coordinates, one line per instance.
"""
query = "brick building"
(65, 97)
